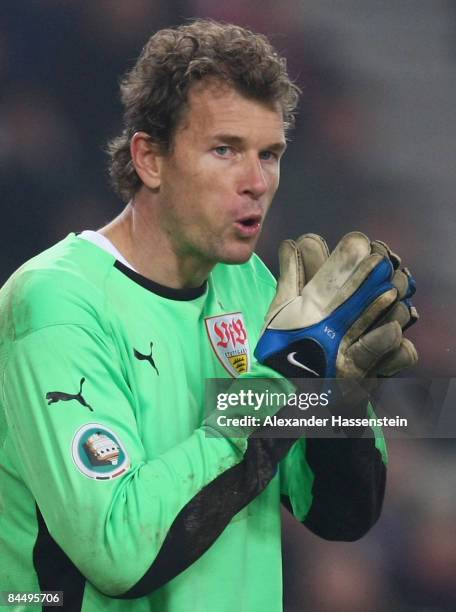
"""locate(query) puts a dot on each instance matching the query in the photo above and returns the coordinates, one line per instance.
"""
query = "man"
(112, 489)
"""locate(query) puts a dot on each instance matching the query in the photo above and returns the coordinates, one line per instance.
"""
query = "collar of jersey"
(167, 292)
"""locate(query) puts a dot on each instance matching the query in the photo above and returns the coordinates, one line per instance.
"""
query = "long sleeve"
(335, 487)
(120, 519)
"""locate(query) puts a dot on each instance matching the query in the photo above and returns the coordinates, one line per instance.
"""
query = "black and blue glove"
(339, 315)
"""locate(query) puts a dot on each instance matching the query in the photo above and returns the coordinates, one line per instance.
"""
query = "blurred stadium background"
(373, 150)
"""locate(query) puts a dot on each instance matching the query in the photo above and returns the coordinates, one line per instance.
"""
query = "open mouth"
(249, 225)
(249, 222)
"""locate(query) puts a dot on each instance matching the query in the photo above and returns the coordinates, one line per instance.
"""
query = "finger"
(411, 283)
(373, 346)
(314, 253)
(378, 246)
(291, 279)
(404, 357)
(350, 254)
(401, 281)
(375, 313)
(400, 313)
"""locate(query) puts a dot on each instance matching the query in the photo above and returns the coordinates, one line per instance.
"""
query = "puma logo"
(148, 358)
(61, 396)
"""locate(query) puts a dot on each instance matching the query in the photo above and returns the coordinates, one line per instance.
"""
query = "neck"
(139, 236)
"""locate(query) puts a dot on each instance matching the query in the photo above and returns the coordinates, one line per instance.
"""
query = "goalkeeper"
(111, 489)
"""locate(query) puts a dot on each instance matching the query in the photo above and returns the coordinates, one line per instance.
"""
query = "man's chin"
(236, 252)
(237, 258)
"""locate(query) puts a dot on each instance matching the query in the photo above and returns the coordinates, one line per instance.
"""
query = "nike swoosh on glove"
(339, 315)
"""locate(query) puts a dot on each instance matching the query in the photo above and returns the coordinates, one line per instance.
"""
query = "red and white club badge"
(229, 340)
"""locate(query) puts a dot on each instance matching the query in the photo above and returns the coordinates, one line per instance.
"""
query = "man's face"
(219, 180)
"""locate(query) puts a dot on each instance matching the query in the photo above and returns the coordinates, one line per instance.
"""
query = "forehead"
(215, 107)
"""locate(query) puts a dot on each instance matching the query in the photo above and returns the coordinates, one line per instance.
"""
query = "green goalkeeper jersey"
(110, 490)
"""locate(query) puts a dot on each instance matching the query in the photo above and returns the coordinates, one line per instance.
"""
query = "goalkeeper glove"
(338, 315)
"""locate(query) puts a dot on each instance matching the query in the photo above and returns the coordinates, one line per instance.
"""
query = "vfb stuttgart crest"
(229, 340)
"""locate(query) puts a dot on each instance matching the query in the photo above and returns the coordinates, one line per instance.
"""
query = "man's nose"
(253, 180)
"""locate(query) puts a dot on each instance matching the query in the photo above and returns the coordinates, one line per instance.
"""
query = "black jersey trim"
(55, 571)
(203, 519)
(348, 488)
(167, 292)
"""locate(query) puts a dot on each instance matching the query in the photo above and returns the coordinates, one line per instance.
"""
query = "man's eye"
(267, 155)
(223, 150)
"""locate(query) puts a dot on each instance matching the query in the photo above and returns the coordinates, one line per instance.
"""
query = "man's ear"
(146, 158)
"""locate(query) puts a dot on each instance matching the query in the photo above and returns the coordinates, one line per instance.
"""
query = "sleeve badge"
(98, 452)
